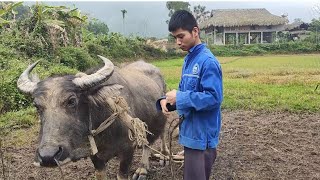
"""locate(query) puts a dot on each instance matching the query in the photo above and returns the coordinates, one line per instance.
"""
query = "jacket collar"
(196, 47)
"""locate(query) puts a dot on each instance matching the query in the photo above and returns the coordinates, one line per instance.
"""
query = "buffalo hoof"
(121, 178)
(101, 175)
(164, 161)
(140, 174)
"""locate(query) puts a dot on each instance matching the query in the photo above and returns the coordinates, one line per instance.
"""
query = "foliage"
(263, 49)
(6, 10)
(19, 119)
(123, 11)
(43, 31)
(97, 27)
(75, 57)
(173, 6)
(50, 27)
(12, 66)
(120, 48)
(314, 25)
(200, 13)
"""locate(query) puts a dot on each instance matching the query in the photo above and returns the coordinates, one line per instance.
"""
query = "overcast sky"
(149, 18)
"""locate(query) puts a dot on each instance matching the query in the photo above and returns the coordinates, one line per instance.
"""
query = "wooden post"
(261, 37)
(237, 38)
(224, 38)
(249, 38)
(214, 35)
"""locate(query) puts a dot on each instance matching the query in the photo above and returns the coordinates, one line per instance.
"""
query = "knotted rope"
(137, 129)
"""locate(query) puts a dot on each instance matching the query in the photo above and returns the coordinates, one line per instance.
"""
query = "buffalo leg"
(125, 163)
(100, 167)
(141, 173)
(164, 147)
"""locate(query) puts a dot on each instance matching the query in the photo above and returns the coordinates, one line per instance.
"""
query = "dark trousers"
(198, 163)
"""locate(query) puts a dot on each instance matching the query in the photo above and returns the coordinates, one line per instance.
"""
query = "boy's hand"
(164, 108)
(171, 97)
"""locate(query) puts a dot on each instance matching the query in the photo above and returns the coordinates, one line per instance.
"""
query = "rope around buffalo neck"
(137, 129)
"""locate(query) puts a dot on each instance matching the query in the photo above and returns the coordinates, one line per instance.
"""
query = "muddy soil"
(253, 145)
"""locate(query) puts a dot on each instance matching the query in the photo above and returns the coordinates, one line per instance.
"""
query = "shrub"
(75, 57)
(11, 99)
(260, 49)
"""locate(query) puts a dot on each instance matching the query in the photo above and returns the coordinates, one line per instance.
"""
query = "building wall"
(208, 33)
(254, 28)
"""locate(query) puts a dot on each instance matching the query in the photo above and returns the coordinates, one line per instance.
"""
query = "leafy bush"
(11, 99)
(261, 49)
(120, 48)
(27, 45)
(74, 57)
(97, 27)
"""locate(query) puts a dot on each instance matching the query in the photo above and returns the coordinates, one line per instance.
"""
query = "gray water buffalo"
(67, 104)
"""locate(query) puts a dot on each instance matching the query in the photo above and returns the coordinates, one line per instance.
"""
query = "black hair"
(182, 19)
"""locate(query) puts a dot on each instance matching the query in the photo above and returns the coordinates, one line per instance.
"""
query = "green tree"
(314, 25)
(56, 25)
(173, 6)
(200, 13)
(124, 12)
(98, 27)
(74, 21)
(7, 9)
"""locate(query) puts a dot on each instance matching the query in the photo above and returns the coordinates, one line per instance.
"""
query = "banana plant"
(6, 9)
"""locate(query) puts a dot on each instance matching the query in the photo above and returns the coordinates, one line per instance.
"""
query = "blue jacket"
(199, 99)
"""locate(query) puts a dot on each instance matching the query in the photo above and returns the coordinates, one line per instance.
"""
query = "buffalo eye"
(72, 102)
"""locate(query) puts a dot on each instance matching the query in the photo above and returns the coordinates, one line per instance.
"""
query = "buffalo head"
(62, 103)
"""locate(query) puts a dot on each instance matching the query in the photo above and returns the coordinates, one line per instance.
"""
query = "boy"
(198, 98)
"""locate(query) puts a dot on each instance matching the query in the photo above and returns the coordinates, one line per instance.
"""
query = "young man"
(198, 99)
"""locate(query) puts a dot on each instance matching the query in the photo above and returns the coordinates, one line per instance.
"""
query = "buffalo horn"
(87, 81)
(24, 83)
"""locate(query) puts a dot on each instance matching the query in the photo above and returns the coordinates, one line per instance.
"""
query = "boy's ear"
(195, 31)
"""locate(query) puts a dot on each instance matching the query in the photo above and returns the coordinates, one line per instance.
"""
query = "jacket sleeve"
(212, 91)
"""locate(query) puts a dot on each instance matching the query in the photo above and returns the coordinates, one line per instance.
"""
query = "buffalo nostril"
(59, 153)
(46, 155)
(49, 155)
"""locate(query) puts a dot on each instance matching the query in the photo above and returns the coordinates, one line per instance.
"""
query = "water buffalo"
(67, 104)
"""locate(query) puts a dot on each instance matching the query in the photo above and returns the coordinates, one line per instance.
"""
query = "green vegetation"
(67, 41)
(19, 119)
(263, 49)
(272, 83)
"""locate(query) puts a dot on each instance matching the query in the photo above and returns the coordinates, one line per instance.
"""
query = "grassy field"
(272, 83)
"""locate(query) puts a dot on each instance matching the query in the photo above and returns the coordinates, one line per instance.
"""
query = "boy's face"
(184, 39)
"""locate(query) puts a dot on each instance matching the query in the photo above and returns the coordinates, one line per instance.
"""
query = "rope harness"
(137, 129)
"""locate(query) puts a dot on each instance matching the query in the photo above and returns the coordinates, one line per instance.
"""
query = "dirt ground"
(254, 145)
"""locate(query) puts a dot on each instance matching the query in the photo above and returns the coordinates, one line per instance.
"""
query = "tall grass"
(272, 83)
